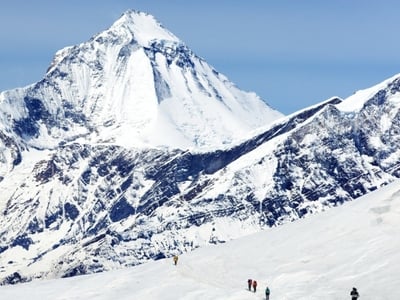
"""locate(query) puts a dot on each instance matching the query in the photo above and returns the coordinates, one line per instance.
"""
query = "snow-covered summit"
(136, 84)
(143, 27)
(132, 27)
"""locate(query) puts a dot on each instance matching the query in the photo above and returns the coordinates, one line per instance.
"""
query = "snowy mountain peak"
(143, 27)
(137, 85)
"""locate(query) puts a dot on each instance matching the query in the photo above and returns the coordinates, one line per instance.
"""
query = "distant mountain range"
(133, 148)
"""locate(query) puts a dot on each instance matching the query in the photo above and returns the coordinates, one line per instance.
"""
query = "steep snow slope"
(320, 257)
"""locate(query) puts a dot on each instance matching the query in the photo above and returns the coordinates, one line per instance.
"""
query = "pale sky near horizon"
(293, 54)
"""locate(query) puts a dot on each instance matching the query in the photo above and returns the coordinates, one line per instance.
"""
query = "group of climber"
(251, 283)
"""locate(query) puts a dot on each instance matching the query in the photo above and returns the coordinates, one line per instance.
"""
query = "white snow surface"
(320, 257)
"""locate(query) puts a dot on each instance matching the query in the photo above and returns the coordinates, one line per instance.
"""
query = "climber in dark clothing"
(354, 294)
(249, 283)
(254, 286)
(267, 292)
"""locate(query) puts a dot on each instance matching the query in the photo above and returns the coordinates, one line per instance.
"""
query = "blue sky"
(291, 53)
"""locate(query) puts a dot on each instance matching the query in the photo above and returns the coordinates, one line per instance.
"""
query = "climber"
(254, 285)
(175, 259)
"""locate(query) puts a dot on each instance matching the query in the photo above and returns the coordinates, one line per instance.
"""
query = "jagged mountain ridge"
(88, 204)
